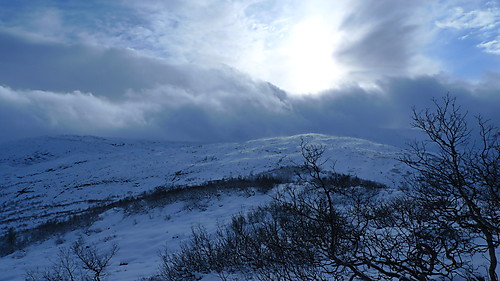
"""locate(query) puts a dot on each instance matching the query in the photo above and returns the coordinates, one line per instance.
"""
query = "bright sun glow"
(310, 50)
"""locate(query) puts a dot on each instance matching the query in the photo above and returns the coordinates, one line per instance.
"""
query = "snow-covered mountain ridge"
(53, 177)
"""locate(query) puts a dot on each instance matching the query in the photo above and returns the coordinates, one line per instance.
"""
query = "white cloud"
(492, 46)
(480, 23)
(480, 19)
(73, 111)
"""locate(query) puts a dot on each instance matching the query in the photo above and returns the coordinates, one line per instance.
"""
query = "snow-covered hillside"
(53, 177)
(50, 178)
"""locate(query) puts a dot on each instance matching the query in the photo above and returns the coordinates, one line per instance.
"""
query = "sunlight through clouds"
(310, 50)
(300, 46)
(289, 43)
(219, 70)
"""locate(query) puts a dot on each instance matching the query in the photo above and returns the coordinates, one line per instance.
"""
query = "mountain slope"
(51, 178)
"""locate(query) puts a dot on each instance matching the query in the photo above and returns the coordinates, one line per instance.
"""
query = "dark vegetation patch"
(15, 240)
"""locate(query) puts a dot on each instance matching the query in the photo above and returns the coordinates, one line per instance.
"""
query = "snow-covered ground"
(140, 237)
(51, 178)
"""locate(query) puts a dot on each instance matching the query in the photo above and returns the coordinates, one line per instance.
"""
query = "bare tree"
(370, 239)
(80, 262)
(92, 259)
(458, 176)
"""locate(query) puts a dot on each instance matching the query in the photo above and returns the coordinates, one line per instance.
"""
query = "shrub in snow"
(80, 262)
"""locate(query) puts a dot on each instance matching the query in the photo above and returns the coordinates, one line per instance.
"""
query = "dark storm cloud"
(49, 88)
(385, 114)
(235, 109)
(381, 115)
(28, 64)
(382, 37)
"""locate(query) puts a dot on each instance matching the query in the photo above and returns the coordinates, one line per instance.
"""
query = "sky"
(230, 70)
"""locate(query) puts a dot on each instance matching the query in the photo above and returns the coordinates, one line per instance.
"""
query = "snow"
(140, 237)
(53, 177)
